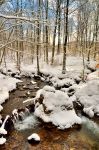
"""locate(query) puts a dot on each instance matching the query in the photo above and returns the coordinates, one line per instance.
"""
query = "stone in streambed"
(9, 124)
(33, 138)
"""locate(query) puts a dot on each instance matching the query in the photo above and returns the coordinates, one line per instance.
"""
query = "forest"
(49, 74)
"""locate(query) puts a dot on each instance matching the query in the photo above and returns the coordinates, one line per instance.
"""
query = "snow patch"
(2, 140)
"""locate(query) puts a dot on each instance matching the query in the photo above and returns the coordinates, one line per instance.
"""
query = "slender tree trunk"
(38, 37)
(59, 27)
(16, 35)
(46, 28)
(66, 37)
(54, 34)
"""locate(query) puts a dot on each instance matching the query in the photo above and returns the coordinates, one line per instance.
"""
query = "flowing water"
(85, 138)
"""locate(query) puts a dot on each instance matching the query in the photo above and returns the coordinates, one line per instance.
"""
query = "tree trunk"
(59, 27)
(46, 28)
(66, 37)
(38, 37)
(54, 34)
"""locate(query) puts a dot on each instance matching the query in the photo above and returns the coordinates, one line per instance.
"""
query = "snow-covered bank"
(74, 66)
(7, 84)
(55, 106)
(88, 96)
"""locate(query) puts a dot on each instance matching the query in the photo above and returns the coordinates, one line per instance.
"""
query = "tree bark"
(66, 37)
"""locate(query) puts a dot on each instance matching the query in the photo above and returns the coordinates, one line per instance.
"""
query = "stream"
(85, 138)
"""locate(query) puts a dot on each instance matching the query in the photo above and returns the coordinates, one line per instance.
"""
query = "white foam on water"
(28, 123)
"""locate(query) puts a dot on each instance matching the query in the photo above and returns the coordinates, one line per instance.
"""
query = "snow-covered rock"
(88, 96)
(2, 140)
(56, 107)
(65, 82)
(34, 138)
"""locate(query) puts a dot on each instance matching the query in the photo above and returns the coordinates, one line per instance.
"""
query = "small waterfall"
(28, 122)
(90, 126)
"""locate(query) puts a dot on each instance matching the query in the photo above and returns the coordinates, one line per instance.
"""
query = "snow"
(49, 88)
(1, 107)
(2, 140)
(28, 100)
(15, 17)
(93, 76)
(65, 119)
(15, 114)
(3, 95)
(74, 67)
(7, 84)
(56, 108)
(89, 111)
(88, 95)
(2, 131)
(34, 136)
(56, 103)
(62, 82)
(33, 82)
(3, 125)
(28, 92)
